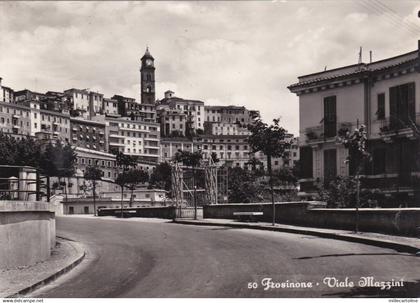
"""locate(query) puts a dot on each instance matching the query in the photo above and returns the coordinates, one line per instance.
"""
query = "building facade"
(89, 134)
(135, 138)
(192, 109)
(381, 95)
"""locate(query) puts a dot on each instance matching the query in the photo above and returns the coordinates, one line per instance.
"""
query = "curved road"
(153, 258)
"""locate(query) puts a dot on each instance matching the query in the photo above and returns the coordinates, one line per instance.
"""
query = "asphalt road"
(152, 258)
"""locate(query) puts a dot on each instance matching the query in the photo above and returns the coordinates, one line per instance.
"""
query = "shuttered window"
(380, 114)
(402, 105)
(330, 116)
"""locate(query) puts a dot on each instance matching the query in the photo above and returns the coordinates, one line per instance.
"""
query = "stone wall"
(27, 233)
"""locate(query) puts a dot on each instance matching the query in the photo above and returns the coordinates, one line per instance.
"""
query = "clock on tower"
(147, 79)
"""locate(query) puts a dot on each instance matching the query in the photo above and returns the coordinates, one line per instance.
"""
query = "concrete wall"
(402, 221)
(27, 233)
(144, 212)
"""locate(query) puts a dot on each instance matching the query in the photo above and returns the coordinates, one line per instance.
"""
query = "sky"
(224, 53)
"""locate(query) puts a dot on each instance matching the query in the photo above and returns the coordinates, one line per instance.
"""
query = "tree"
(193, 160)
(121, 180)
(125, 161)
(133, 178)
(214, 157)
(242, 186)
(270, 140)
(161, 177)
(23, 152)
(58, 160)
(356, 142)
(94, 175)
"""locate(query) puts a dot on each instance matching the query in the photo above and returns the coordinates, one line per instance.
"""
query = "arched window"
(148, 89)
(149, 77)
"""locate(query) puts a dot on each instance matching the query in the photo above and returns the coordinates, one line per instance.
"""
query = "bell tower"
(147, 79)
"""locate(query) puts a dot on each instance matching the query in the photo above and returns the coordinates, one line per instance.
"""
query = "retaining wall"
(401, 221)
(167, 212)
(27, 233)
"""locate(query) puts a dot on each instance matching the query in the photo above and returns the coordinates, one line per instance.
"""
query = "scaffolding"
(192, 186)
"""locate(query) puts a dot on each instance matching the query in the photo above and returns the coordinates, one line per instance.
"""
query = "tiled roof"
(357, 69)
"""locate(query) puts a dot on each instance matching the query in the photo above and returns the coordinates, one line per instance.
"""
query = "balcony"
(395, 127)
(315, 135)
(391, 182)
(116, 136)
(116, 144)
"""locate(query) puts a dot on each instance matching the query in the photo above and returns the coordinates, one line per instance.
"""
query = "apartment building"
(88, 134)
(84, 102)
(15, 119)
(6, 93)
(192, 109)
(110, 106)
(381, 95)
(135, 138)
(54, 126)
(170, 145)
(172, 122)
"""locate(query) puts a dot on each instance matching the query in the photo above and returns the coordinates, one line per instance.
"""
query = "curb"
(54, 276)
(349, 238)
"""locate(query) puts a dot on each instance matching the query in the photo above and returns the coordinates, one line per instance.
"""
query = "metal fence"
(23, 183)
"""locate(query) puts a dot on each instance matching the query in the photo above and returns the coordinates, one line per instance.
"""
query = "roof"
(147, 55)
(177, 99)
(355, 70)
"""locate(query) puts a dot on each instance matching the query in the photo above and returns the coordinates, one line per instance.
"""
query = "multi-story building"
(170, 145)
(54, 126)
(381, 95)
(6, 93)
(89, 134)
(15, 119)
(84, 102)
(172, 122)
(27, 95)
(192, 109)
(110, 107)
(55, 101)
(128, 107)
(79, 101)
(230, 114)
(228, 120)
(134, 138)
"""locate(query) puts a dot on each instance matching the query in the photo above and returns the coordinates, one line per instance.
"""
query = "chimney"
(0, 81)
(370, 56)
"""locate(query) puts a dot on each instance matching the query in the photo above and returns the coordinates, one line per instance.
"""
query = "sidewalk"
(401, 244)
(19, 281)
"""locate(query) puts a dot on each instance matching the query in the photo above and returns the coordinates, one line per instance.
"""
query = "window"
(330, 116)
(381, 107)
(330, 164)
(306, 161)
(402, 105)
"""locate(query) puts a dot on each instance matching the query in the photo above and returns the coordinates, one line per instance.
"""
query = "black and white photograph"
(210, 149)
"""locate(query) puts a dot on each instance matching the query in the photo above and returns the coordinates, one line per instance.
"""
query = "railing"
(316, 134)
(23, 183)
(393, 124)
